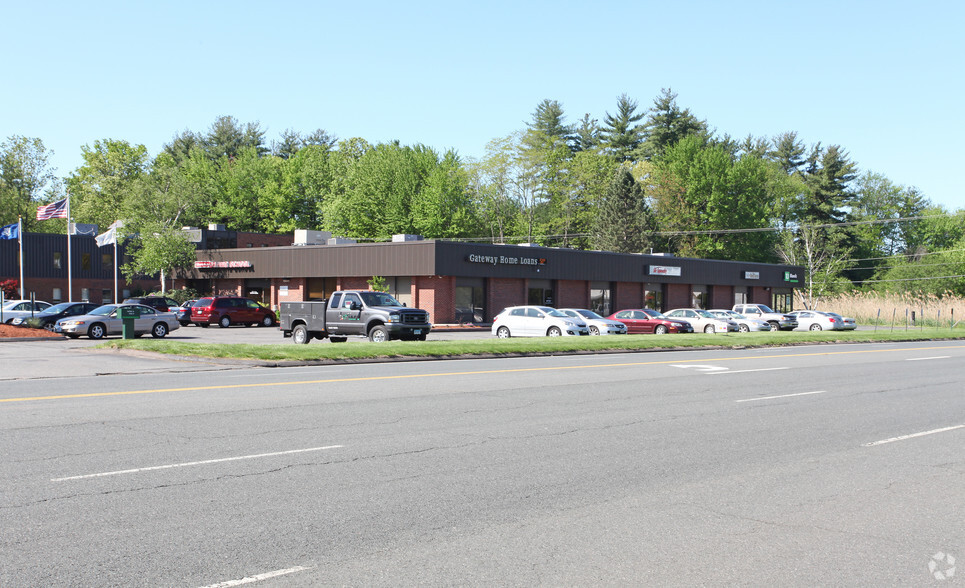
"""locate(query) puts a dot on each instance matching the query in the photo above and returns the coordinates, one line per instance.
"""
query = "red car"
(646, 320)
(231, 310)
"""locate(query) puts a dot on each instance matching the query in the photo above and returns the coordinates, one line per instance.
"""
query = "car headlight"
(394, 317)
(70, 323)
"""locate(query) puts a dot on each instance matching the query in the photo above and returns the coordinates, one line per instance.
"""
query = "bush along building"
(470, 283)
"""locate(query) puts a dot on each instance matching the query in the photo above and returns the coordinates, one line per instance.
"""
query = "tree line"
(634, 180)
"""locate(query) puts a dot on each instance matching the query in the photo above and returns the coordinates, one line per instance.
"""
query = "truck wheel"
(775, 326)
(378, 334)
(421, 337)
(338, 339)
(300, 335)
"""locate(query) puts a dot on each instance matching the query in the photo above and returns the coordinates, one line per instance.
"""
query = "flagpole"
(115, 266)
(20, 245)
(70, 283)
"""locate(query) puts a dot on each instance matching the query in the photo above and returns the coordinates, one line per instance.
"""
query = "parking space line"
(780, 396)
(258, 577)
(913, 435)
(193, 463)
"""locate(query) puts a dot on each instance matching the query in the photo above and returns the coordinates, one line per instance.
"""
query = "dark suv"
(162, 303)
(230, 310)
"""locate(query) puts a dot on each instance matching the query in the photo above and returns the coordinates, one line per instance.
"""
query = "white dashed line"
(781, 396)
(258, 578)
(748, 371)
(913, 435)
(927, 358)
(194, 463)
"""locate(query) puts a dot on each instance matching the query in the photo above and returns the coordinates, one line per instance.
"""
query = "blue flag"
(10, 231)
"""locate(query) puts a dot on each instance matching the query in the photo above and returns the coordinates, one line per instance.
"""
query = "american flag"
(55, 210)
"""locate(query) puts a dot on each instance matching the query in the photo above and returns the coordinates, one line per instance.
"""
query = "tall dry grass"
(886, 308)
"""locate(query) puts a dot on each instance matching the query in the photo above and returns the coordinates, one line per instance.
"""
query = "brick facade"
(573, 294)
(721, 297)
(678, 296)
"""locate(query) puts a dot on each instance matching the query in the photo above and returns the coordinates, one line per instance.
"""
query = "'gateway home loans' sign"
(505, 260)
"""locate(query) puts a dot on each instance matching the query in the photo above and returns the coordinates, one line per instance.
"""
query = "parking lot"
(272, 336)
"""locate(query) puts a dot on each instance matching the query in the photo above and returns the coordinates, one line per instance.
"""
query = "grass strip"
(354, 350)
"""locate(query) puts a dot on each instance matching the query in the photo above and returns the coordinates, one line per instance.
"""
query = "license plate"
(417, 331)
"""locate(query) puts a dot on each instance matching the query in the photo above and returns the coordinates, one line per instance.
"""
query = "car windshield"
(379, 299)
(654, 314)
(765, 308)
(103, 310)
(704, 313)
(588, 314)
(57, 308)
(554, 312)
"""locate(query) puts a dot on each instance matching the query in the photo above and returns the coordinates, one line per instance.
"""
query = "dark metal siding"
(38, 257)
(453, 259)
(352, 260)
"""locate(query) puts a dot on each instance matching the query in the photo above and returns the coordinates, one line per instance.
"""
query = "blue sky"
(884, 80)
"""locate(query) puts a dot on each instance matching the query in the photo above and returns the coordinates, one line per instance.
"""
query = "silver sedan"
(106, 320)
(597, 324)
(745, 323)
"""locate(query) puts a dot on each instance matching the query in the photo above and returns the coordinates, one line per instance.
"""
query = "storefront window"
(400, 289)
(320, 288)
(740, 295)
(653, 298)
(600, 296)
(782, 300)
(470, 301)
(699, 297)
(541, 293)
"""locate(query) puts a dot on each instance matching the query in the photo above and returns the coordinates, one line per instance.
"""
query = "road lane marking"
(927, 358)
(913, 435)
(780, 396)
(749, 371)
(447, 374)
(194, 463)
(258, 578)
(699, 367)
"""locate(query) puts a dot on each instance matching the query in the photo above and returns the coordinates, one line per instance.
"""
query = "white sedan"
(536, 321)
(106, 320)
(812, 320)
(703, 321)
(597, 324)
(21, 309)
(745, 323)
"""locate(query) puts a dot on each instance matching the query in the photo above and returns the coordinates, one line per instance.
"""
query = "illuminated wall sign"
(752, 275)
(221, 264)
(790, 277)
(505, 260)
(664, 270)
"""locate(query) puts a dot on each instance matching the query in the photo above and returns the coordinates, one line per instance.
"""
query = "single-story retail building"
(460, 282)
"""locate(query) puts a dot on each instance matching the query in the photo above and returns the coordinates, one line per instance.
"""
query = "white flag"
(110, 237)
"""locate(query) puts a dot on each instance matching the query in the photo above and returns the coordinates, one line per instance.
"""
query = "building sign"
(752, 275)
(505, 260)
(221, 264)
(664, 270)
(790, 277)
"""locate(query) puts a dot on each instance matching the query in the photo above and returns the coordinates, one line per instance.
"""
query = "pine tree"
(624, 222)
(667, 124)
(621, 136)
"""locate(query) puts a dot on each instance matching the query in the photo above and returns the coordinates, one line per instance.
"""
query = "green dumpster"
(128, 314)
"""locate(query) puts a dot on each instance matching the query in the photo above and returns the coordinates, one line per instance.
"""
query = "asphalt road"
(825, 465)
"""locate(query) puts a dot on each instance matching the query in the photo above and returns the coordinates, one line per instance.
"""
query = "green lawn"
(496, 347)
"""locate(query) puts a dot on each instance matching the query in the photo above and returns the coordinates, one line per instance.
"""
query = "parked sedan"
(744, 323)
(848, 323)
(703, 320)
(812, 320)
(47, 319)
(106, 320)
(183, 312)
(647, 320)
(536, 321)
(597, 324)
(21, 308)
